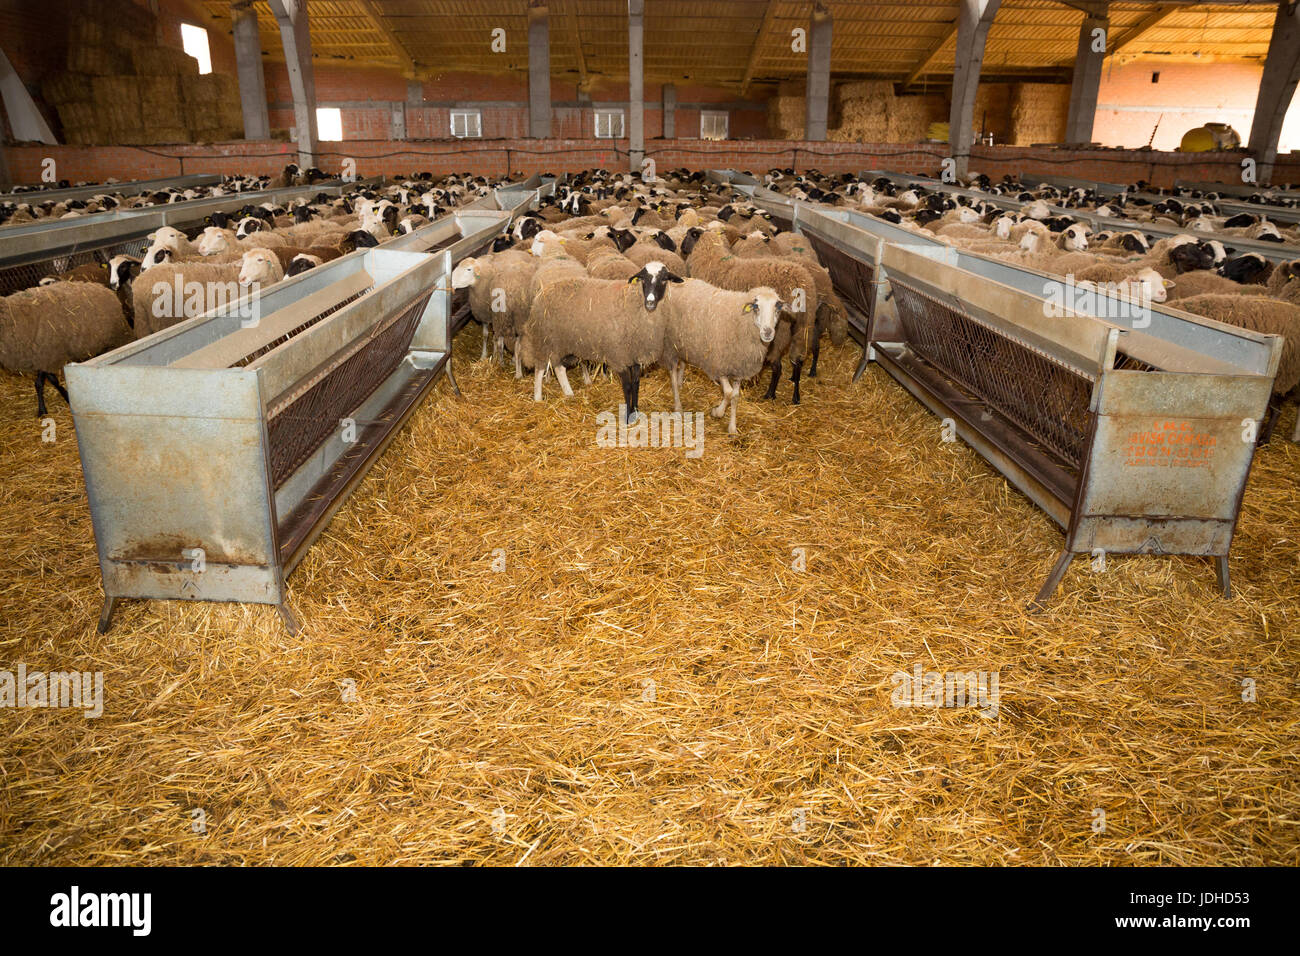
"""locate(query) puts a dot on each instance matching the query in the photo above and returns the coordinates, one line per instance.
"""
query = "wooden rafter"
(571, 15)
(923, 65)
(1149, 22)
(768, 11)
(376, 17)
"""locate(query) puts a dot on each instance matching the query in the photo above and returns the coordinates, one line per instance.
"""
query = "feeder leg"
(451, 376)
(865, 361)
(1221, 571)
(290, 620)
(1053, 581)
(106, 615)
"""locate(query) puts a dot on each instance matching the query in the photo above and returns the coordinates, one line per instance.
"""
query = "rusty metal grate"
(296, 429)
(855, 279)
(1042, 396)
(258, 353)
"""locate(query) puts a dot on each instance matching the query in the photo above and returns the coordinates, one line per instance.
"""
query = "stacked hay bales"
(870, 112)
(787, 112)
(1038, 113)
(993, 111)
(122, 87)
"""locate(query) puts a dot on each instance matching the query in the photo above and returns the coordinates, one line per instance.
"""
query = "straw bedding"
(506, 717)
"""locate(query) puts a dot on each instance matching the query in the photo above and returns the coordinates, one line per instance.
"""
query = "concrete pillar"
(974, 18)
(1086, 84)
(670, 111)
(252, 81)
(414, 93)
(818, 87)
(1276, 89)
(635, 84)
(399, 120)
(295, 36)
(539, 71)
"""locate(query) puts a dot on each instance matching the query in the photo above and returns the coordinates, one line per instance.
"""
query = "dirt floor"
(642, 674)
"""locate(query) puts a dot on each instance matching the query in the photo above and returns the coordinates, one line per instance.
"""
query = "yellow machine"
(1210, 137)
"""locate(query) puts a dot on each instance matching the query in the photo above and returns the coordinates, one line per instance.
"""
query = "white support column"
(1086, 84)
(635, 84)
(296, 38)
(25, 120)
(248, 60)
(539, 70)
(817, 89)
(670, 111)
(973, 21)
(1276, 89)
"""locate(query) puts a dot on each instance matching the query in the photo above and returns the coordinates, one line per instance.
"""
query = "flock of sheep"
(93, 308)
(1197, 270)
(615, 272)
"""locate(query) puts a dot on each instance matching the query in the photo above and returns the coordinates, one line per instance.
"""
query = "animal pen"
(1131, 426)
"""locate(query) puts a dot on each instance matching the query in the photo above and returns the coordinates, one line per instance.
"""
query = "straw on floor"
(520, 647)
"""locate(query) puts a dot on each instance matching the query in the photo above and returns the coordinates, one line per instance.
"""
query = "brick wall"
(375, 157)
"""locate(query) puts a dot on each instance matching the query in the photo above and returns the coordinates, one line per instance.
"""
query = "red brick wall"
(559, 155)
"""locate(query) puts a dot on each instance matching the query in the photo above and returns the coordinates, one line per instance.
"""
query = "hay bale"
(63, 88)
(993, 110)
(78, 115)
(117, 99)
(1038, 113)
(786, 116)
(158, 135)
(163, 61)
(882, 90)
(98, 59)
(160, 101)
(200, 91)
(86, 30)
(910, 117)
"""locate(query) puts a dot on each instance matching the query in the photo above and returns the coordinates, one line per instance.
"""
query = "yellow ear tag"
(749, 307)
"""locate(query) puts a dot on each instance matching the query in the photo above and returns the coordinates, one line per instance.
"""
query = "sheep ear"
(1170, 283)
(750, 307)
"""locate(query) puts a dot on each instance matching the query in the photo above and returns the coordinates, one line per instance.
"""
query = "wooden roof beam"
(923, 66)
(768, 11)
(370, 10)
(1149, 22)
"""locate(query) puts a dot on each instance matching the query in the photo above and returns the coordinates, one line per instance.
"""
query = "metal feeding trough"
(1131, 426)
(34, 251)
(216, 451)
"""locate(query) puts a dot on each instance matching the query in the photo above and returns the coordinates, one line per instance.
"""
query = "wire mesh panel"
(298, 427)
(1044, 397)
(854, 279)
(28, 274)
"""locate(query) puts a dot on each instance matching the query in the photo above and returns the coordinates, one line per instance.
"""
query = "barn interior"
(364, 581)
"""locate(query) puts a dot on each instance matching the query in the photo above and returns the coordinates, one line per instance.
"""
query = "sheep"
(1032, 236)
(611, 264)
(1259, 314)
(499, 297)
(170, 293)
(1135, 281)
(260, 267)
(601, 321)
(45, 328)
(710, 260)
(1204, 282)
(288, 254)
(724, 334)
(1282, 276)
(1249, 269)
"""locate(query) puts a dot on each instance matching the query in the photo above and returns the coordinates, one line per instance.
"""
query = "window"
(609, 124)
(713, 124)
(329, 123)
(466, 123)
(195, 41)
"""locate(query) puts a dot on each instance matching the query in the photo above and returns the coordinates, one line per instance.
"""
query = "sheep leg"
(538, 374)
(636, 393)
(486, 332)
(776, 377)
(562, 376)
(674, 374)
(519, 366)
(818, 328)
(717, 411)
(40, 395)
(735, 397)
(625, 379)
(795, 369)
(586, 373)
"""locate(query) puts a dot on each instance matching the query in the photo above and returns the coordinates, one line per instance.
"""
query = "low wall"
(500, 157)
